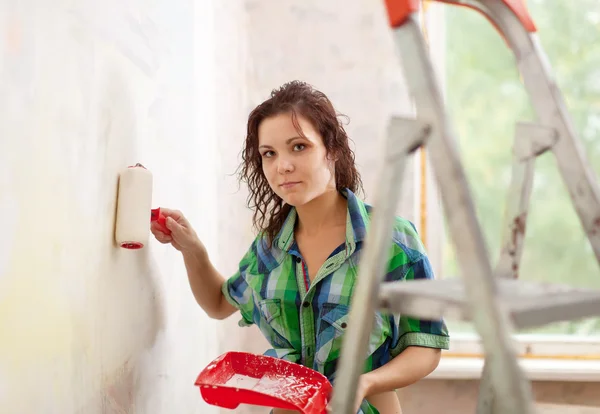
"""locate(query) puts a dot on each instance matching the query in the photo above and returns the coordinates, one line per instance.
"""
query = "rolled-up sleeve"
(409, 331)
(237, 291)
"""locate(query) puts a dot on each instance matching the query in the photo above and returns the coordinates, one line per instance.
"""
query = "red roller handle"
(156, 215)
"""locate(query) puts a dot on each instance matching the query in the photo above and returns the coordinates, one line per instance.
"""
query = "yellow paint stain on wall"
(37, 321)
(34, 310)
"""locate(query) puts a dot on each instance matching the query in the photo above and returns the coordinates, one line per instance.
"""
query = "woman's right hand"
(182, 237)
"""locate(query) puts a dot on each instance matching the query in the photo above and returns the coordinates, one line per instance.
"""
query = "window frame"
(542, 358)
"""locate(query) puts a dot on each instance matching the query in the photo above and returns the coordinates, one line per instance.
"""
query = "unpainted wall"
(86, 89)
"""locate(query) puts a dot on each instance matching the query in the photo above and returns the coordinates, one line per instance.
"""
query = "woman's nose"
(284, 166)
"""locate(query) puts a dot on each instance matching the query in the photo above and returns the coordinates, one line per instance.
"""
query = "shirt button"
(344, 325)
(306, 304)
(298, 259)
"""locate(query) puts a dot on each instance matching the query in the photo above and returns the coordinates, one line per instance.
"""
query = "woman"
(296, 280)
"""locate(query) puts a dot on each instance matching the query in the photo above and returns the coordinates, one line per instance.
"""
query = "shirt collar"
(357, 223)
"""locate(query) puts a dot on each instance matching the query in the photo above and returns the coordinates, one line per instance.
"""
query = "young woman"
(297, 278)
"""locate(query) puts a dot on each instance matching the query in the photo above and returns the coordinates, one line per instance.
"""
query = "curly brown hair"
(294, 97)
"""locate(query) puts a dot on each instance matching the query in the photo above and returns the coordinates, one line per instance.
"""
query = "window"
(486, 98)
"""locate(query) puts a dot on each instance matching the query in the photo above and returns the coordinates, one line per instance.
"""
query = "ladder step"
(530, 304)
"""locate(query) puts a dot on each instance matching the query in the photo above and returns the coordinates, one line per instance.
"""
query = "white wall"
(87, 88)
(343, 48)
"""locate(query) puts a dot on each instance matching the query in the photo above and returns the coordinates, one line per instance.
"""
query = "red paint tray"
(237, 378)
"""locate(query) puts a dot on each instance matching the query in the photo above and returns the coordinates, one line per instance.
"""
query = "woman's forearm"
(206, 282)
(413, 364)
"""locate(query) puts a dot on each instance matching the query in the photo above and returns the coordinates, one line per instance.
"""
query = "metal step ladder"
(491, 297)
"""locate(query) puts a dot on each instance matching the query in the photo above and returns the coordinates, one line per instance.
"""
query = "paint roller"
(134, 208)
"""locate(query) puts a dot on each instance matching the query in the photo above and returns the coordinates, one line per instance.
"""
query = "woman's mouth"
(290, 184)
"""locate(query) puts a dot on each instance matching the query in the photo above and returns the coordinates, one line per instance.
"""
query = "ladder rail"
(374, 259)
(490, 318)
(571, 159)
(530, 141)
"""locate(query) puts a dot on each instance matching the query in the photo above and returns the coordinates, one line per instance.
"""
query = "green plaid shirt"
(303, 321)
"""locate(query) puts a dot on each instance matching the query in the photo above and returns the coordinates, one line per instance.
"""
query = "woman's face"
(297, 168)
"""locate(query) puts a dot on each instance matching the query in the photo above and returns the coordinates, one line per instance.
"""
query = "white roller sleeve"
(133, 208)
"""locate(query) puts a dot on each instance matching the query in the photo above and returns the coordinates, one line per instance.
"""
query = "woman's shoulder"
(406, 237)
(261, 256)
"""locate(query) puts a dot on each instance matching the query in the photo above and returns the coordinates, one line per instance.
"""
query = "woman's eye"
(299, 147)
(267, 154)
